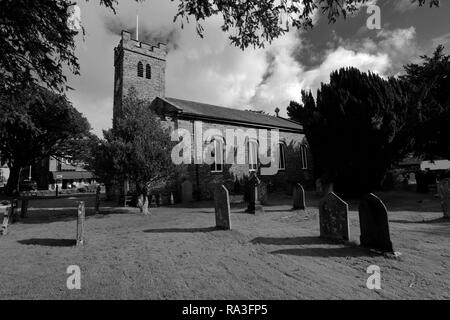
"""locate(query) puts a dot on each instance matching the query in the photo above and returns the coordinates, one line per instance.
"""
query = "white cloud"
(404, 5)
(341, 58)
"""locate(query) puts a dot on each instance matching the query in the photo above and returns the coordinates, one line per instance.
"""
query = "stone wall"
(234, 176)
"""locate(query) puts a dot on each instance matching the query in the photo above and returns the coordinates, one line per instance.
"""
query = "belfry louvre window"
(148, 71)
(140, 69)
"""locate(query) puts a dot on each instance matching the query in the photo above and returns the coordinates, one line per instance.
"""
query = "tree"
(359, 125)
(36, 41)
(138, 149)
(430, 81)
(35, 125)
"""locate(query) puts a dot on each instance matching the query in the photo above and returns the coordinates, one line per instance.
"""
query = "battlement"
(158, 51)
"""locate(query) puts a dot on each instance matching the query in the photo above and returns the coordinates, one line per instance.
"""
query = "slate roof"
(215, 113)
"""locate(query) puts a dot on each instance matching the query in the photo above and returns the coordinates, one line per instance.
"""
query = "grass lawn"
(175, 253)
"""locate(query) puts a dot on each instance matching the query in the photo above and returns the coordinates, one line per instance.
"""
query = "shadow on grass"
(289, 241)
(49, 242)
(326, 252)
(434, 221)
(66, 215)
(280, 210)
(182, 230)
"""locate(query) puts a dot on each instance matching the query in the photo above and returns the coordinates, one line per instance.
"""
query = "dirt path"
(176, 254)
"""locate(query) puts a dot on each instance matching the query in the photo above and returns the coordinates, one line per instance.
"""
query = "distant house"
(63, 172)
(416, 164)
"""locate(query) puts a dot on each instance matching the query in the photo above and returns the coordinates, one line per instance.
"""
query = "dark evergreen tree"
(358, 127)
(430, 82)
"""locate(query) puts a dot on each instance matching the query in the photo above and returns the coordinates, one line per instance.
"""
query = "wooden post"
(97, 201)
(14, 217)
(24, 209)
(4, 226)
(80, 223)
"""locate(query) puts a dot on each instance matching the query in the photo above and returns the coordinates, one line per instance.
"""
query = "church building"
(142, 66)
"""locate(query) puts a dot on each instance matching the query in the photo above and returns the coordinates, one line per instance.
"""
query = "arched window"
(148, 71)
(140, 69)
(304, 156)
(253, 156)
(217, 166)
(282, 159)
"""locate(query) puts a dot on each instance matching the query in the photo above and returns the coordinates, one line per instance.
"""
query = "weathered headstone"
(222, 208)
(80, 223)
(254, 206)
(333, 216)
(374, 224)
(5, 211)
(299, 197)
(444, 193)
(186, 191)
(172, 200)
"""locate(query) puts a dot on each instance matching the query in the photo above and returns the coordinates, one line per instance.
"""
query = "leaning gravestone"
(333, 216)
(299, 197)
(222, 208)
(444, 193)
(374, 224)
(186, 191)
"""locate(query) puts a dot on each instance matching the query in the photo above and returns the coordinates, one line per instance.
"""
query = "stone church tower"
(139, 65)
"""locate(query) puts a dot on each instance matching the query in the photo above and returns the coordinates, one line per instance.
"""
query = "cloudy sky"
(213, 71)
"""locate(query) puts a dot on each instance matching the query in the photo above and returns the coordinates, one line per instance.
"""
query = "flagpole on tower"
(137, 27)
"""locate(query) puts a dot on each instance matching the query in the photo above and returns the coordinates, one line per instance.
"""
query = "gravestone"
(299, 197)
(222, 208)
(80, 223)
(5, 215)
(444, 193)
(374, 224)
(254, 206)
(186, 191)
(333, 216)
(172, 200)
